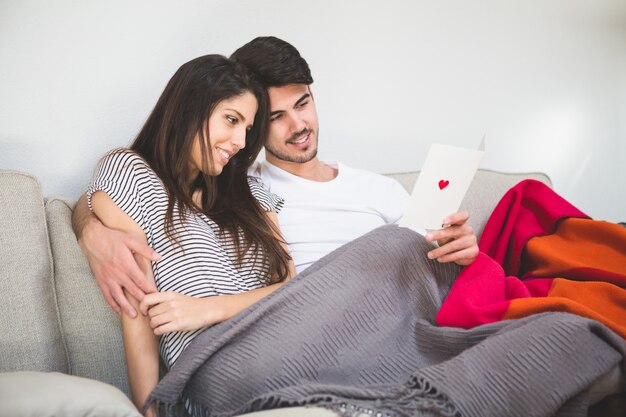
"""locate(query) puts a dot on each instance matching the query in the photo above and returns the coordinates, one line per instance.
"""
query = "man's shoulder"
(255, 170)
(372, 183)
(364, 174)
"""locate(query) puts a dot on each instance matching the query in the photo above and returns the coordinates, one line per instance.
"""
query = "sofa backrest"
(30, 333)
(53, 317)
(90, 328)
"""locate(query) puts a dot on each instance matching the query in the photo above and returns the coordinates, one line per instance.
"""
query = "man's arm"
(457, 242)
(110, 254)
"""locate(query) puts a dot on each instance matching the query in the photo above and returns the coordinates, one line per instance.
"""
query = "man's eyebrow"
(240, 115)
(300, 100)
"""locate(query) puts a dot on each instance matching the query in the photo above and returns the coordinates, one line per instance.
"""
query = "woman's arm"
(140, 344)
(171, 311)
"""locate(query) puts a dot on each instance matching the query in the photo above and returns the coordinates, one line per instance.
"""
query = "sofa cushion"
(91, 329)
(37, 394)
(484, 192)
(29, 324)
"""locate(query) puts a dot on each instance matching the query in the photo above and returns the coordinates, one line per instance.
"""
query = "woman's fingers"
(171, 311)
(149, 301)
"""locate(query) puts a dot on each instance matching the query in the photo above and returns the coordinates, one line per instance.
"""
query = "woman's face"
(227, 128)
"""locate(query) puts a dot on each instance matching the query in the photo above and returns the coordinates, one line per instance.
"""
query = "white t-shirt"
(318, 217)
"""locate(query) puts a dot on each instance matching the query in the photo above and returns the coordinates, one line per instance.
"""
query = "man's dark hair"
(274, 62)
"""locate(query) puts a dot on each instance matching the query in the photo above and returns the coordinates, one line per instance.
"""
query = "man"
(325, 207)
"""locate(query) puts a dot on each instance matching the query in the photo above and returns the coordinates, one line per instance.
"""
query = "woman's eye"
(275, 117)
(231, 119)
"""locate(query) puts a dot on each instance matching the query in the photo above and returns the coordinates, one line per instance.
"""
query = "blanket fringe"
(417, 398)
(163, 409)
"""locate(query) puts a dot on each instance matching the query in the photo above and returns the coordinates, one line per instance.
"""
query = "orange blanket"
(539, 254)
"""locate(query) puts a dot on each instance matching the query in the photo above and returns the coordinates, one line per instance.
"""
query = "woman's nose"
(239, 138)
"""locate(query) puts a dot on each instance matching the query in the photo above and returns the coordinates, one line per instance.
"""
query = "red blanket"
(539, 253)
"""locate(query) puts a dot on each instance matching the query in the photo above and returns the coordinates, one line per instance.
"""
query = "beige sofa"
(55, 324)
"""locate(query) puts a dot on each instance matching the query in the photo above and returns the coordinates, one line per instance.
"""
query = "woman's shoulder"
(128, 180)
(124, 162)
(124, 157)
(123, 169)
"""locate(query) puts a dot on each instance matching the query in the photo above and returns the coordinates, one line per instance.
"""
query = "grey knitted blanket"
(355, 332)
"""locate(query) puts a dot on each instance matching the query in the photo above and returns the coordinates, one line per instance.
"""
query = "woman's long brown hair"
(165, 142)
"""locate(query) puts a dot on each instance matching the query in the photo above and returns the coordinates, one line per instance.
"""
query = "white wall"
(545, 80)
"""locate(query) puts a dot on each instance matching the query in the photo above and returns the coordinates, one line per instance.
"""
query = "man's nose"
(297, 123)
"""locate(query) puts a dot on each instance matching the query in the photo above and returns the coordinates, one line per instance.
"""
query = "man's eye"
(302, 104)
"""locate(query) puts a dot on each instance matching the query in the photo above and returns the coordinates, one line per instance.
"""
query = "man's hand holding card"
(439, 191)
(457, 242)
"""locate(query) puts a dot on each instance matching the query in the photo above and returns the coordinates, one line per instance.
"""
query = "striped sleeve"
(269, 201)
(123, 175)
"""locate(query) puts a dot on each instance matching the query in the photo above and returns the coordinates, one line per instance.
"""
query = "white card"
(441, 185)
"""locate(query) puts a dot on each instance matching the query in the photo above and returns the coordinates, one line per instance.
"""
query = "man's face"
(293, 125)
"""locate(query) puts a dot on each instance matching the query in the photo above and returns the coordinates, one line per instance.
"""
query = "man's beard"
(308, 155)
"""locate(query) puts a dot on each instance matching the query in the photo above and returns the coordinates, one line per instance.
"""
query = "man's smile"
(302, 139)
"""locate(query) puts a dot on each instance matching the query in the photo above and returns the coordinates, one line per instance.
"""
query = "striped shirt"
(204, 263)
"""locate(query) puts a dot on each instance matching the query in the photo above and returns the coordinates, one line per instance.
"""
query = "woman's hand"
(457, 242)
(172, 311)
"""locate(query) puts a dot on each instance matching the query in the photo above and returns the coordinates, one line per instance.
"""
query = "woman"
(183, 187)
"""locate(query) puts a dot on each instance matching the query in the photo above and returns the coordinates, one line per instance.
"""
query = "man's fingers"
(456, 245)
(445, 249)
(458, 218)
(138, 280)
(134, 290)
(450, 233)
(121, 299)
(462, 257)
(142, 248)
(143, 285)
(109, 298)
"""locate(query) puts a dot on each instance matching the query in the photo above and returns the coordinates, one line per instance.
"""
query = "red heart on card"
(443, 184)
